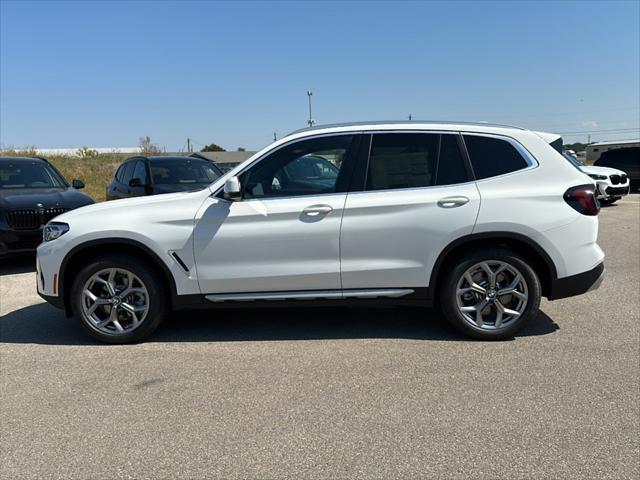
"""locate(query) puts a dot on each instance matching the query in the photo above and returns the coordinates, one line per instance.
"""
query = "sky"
(104, 74)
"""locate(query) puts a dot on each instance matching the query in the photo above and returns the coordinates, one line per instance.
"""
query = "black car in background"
(32, 192)
(625, 159)
(139, 176)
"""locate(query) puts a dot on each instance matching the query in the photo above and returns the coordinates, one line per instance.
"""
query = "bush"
(86, 152)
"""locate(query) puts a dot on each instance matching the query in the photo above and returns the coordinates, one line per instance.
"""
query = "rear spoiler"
(552, 139)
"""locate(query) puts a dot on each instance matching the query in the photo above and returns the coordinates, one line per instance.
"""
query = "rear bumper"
(577, 284)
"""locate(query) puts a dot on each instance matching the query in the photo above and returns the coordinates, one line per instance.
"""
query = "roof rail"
(402, 122)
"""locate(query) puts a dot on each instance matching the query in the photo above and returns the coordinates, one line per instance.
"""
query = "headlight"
(53, 230)
(598, 177)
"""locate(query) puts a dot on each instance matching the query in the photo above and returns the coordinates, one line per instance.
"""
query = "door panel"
(392, 238)
(267, 245)
(285, 233)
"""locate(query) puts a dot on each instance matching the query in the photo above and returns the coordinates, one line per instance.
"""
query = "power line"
(538, 115)
(598, 123)
(565, 113)
(617, 130)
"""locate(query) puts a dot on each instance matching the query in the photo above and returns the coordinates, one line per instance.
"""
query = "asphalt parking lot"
(327, 393)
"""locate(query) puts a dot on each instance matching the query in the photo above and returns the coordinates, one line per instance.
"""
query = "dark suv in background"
(625, 159)
(32, 192)
(139, 176)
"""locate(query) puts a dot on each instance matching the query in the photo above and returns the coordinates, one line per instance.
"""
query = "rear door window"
(402, 160)
(492, 156)
(414, 160)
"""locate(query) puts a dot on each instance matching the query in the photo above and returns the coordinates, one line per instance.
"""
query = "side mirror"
(233, 189)
(77, 184)
(136, 182)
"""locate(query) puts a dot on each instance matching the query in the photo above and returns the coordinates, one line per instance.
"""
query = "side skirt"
(310, 295)
(419, 297)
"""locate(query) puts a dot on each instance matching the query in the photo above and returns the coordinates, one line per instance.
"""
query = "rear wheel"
(490, 294)
(118, 299)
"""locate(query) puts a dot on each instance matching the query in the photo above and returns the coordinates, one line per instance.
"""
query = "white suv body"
(374, 211)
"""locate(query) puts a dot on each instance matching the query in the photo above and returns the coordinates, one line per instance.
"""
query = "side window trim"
(465, 156)
(361, 164)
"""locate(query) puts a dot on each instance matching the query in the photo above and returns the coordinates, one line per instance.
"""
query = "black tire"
(449, 285)
(157, 297)
(609, 201)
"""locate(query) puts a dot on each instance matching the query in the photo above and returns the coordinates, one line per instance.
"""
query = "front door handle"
(452, 202)
(314, 210)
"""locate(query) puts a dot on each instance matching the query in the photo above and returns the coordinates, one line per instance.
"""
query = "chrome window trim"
(531, 161)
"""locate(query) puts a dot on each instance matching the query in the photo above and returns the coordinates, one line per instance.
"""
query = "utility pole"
(409, 117)
(311, 121)
(588, 139)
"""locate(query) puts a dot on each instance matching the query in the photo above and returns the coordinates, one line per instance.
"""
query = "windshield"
(26, 174)
(574, 161)
(198, 173)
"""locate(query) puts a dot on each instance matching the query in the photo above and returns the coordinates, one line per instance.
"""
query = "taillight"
(582, 198)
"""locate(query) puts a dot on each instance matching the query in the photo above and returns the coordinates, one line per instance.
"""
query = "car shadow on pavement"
(19, 264)
(43, 324)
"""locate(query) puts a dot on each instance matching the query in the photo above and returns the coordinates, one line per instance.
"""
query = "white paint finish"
(386, 239)
(162, 223)
(269, 245)
(392, 238)
(603, 184)
(530, 203)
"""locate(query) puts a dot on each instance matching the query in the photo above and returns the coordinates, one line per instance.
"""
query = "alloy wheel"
(491, 295)
(114, 301)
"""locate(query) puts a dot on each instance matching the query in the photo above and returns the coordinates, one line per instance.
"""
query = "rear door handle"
(452, 202)
(314, 210)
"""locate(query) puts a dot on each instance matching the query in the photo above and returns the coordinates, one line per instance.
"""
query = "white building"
(595, 149)
(74, 151)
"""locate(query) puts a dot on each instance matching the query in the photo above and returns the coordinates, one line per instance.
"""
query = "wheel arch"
(77, 257)
(541, 262)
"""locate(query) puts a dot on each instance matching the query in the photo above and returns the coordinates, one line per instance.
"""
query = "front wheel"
(118, 299)
(490, 294)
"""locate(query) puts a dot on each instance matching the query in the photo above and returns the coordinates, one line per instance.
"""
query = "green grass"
(95, 172)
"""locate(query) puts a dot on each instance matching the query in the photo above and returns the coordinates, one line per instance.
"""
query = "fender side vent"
(179, 261)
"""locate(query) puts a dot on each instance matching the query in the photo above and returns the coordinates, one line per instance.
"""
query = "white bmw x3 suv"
(481, 220)
(611, 184)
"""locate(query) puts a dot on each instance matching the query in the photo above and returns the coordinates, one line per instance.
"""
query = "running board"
(309, 295)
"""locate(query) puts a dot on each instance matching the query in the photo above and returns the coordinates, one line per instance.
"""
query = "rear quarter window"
(491, 156)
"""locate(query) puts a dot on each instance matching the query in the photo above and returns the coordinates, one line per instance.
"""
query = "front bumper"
(15, 242)
(605, 189)
(577, 284)
(57, 302)
(617, 191)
